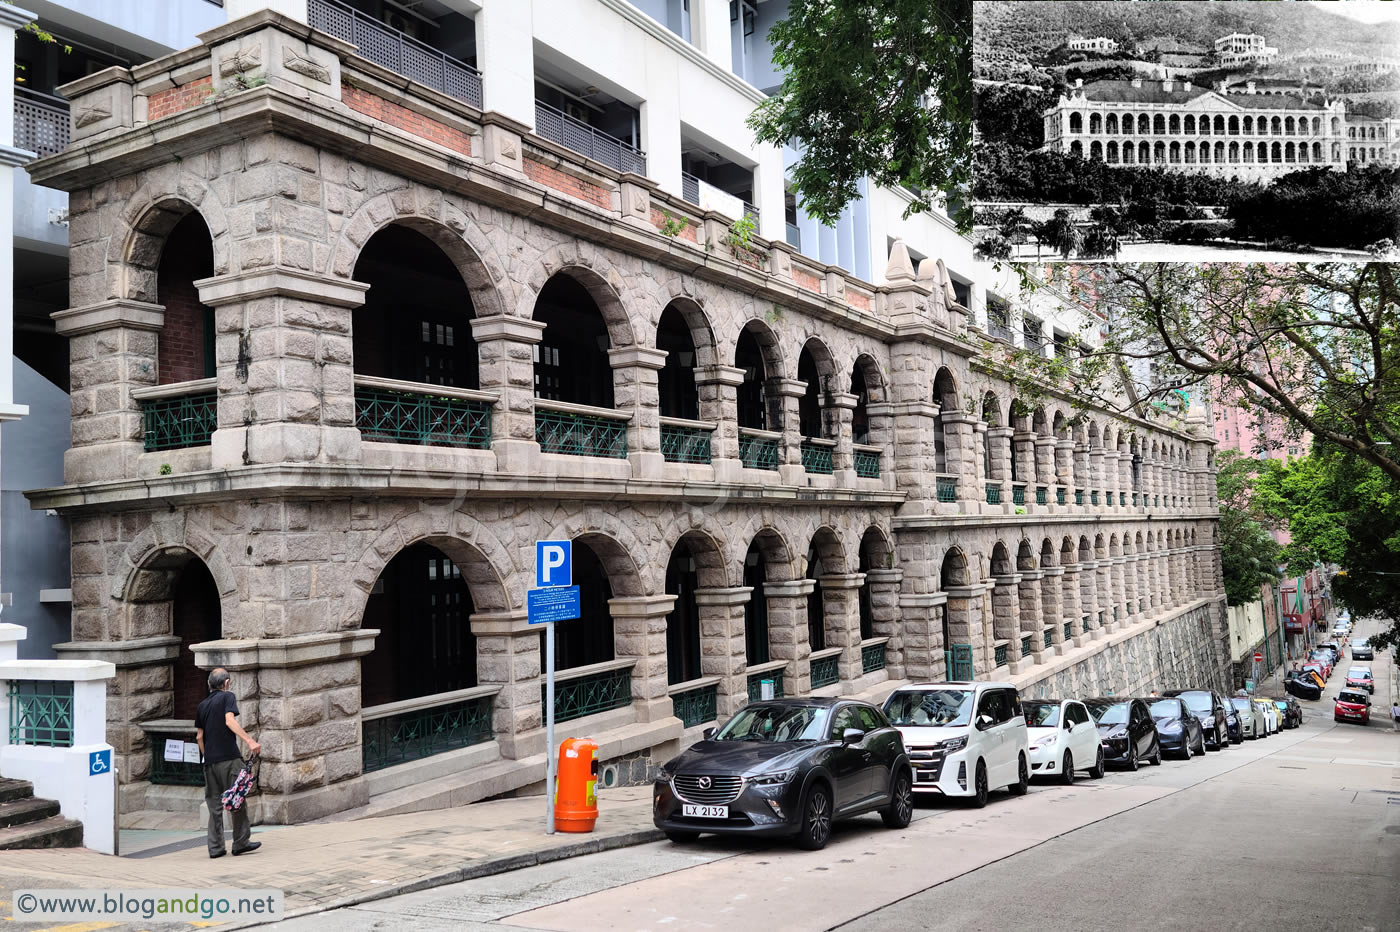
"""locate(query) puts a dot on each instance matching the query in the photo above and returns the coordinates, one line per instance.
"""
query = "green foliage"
(1347, 209)
(672, 226)
(1248, 552)
(1008, 173)
(741, 232)
(165, 469)
(872, 88)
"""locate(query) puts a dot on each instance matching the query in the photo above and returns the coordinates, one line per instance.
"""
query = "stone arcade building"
(343, 348)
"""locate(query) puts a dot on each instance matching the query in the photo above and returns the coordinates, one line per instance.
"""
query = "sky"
(1368, 11)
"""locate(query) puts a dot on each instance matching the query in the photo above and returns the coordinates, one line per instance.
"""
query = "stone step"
(15, 789)
(29, 809)
(460, 789)
(53, 832)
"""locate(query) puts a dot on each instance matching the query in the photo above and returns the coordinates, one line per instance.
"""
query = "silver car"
(1251, 723)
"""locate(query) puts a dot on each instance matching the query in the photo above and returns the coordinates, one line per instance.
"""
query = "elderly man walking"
(217, 731)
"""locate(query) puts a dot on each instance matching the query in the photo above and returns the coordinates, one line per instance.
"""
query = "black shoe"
(217, 854)
(250, 846)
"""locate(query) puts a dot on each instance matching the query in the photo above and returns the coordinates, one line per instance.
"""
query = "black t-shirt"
(219, 741)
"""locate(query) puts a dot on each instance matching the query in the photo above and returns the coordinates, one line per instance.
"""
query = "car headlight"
(1208, 721)
(1045, 742)
(775, 778)
(1118, 735)
(953, 744)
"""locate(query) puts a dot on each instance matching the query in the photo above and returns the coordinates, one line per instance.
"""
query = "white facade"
(1244, 49)
(1096, 44)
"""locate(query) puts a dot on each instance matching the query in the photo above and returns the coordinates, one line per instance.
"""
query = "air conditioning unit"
(577, 111)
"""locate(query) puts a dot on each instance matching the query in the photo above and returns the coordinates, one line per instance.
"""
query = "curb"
(476, 870)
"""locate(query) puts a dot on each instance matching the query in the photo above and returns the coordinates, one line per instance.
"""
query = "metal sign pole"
(549, 728)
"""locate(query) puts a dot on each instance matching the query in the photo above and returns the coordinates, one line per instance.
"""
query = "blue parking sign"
(554, 565)
(100, 762)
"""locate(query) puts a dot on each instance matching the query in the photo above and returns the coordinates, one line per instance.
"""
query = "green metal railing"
(947, 487)
(41, 713)
(826, 671)
(1079, 496)
(681, 444)
(587, 695)
(957, 664)
(580, 434)
(999, 653)
(1108, 497)
(867, 464)
(1069, 630)
(1018, 495)
(1042, 495)
(1025, 645)
(1135, 499)
(410, 736)
(1084, 625)
(993, 493)
(423, 419)
(756, 684)
(1094, 496)
(816, 457)
(1156, 501)
(1060, 496)
(173, 772)
(872, 658)
(186, 421)
(1100, 618)
(1122, 498)
(758, 452)
(696, 706)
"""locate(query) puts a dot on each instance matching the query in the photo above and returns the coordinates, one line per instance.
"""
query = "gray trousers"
(217, 778)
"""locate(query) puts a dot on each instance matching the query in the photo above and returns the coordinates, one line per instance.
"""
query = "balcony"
(556, 125)
(579, 430)
(691, 191)
(42, 122)
(817, 455)
(183, 414)
(685, 441)
(426, 415)
(400, 53)
(758, 449)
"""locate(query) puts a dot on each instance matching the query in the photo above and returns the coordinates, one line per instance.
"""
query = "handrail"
(175, 389)
(556, 125)
(388, 709)
(593, 669)
(767, 667)
(686, 422)
(425, 388)
(688, 685)
(569, 407)
(824, 653)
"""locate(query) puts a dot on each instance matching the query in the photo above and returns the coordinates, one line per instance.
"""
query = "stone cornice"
(295, 651)
(109, 315)
(282, 282)
(134, 653)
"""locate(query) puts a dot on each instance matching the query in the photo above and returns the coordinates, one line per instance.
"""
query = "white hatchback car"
(963, 739)
(1063, 739)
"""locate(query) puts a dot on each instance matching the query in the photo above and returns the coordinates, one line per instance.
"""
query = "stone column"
(1006, 613)
(283, 354)
(789, 392)
(1031, 614)
(913, 455)
(1000, 440)
(958, 437)
(508, 654)
(722, 649)
(1071, 601)
(1110, 477)
(1130, 589)
(639, 630)
(505, 346)
(1045, 469)
(1023, 442)
(1144, 586)
(719, 402)
(966, 623)
(881, 421)
(841, 614)
(1117, 616)
(979, 455)
(1096, 475)
(1064, 468)
(885, 619)
(1083, 478)
(635, 390)
(839, 414)
(1052, 612)
(787, 631)
(921, 616)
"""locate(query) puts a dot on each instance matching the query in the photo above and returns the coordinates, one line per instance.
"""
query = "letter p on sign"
(553, 563)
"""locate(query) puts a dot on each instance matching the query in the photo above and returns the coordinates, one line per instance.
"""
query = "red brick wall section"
(179, 98)
(565, 183)
(806, 280)
(858, 301)
(188, 256)
(658, 220)
(386, 111)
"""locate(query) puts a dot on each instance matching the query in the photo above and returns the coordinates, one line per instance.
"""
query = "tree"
(1249, 554)
(878, 89)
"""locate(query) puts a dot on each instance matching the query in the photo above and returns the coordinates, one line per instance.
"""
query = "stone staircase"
(26, 822)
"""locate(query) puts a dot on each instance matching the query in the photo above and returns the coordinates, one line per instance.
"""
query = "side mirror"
(708, 733)
(1067, 725)
(984, 722)
(852, 736)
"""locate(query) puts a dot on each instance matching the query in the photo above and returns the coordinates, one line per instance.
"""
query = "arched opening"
(415, 323)
(185, 345)
(1128, 124)
(1111, 124)
(1144, 153)
(1220, 125)
(683, 622)
(1190, 125)
(866, 386)
(1143, 124)
(945, 395)
(957, 646)
(816, 369)
(589, 638)
(422, 607)
(571, 359)
(1076, 149)
(677, 392)
(1159, 153)
(874, 555)
(1174, 125)
(196, 617)
(1095, 123)
(1096, 151)
(1234, 126)
(1076, 123)
(1159, 125)
(759, 408)
(1113, 152)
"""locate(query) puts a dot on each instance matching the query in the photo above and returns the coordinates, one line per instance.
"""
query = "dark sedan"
(1210, 712)
(1290, 713)
(1234, 725)
(1126, 731)
(1177, 728)
(1302, 687)
(787, 767)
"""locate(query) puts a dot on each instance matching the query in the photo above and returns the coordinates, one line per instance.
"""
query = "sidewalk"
(324, 865)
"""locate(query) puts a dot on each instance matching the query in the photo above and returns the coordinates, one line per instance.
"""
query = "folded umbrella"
(243, 784)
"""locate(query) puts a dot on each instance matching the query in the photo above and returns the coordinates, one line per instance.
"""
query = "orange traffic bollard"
(575, 802)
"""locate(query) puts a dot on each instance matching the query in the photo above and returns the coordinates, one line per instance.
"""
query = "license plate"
(704, 812)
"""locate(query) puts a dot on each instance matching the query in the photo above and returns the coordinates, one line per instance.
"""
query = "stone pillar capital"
(844, 400)
(1009, 579)
(721, 375)
(733, 595)
(507, 327)
(890, 576)
(641, 606)
(641, 356)
(283, 283)
(842, 580)
(109, 315)
(789, 589)
(790, 388)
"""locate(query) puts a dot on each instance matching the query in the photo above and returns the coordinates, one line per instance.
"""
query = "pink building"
(1238, 429)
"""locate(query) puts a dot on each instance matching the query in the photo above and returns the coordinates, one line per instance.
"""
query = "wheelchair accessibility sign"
(99, 762)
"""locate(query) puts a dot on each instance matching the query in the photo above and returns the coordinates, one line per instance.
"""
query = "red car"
(1352, 706)
(1360, 678)
(1323, 668)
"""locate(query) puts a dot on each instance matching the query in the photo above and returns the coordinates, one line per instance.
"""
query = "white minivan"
(1063, 739)
(963, 739)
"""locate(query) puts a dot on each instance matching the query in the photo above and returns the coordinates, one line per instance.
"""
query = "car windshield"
(1355, 698)
(1198, 702)
(776, 723)
(1110, 713)
(1359, 672)
(1165, 708)
(1280, 705)
(1241, 704)
(937, 707)
(1041, 714)
(1360, 642)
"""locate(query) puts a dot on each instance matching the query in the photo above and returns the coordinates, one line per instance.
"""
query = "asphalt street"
(1300, 830)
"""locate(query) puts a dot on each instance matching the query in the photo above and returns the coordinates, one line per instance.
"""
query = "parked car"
(964, 739)
(1336, 648)
(1352, 705)
(1313, 673)
(1360, 678)
(1250, 722)
(1290, 712)
(1210, 712)
(787, 767)
(1177, 727)
(1322, 667)
(1303, 687)
(1361, 649)
(1233, 724)
(1126, 731)
(1266, 709)
(1063, 739)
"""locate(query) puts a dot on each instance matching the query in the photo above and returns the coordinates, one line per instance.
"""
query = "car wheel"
(816, 818)
(682, 838)
(1132, 756)
(901, 808)
(1067, 769)
(1023, 785)
(980, 789)
(1156, 758)
(1098, 770)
